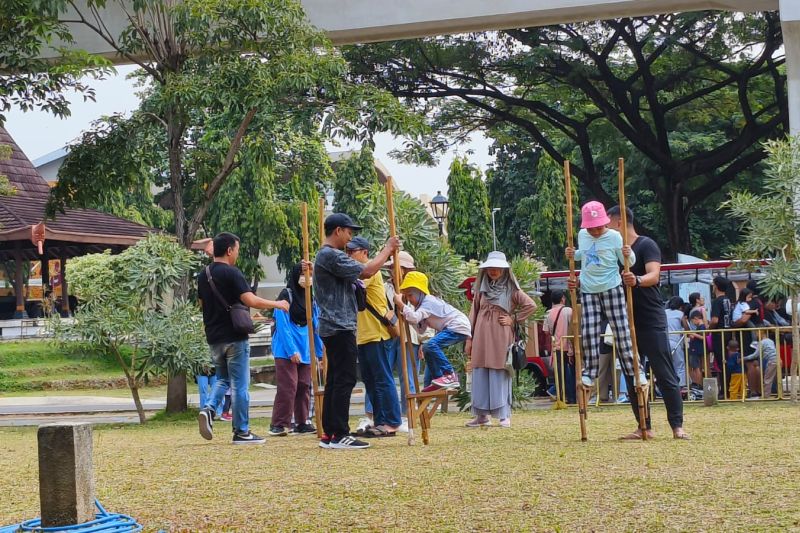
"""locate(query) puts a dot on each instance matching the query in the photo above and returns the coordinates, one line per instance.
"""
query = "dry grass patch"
(740, 472)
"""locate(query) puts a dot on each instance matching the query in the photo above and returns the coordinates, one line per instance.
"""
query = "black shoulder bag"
(240, 314)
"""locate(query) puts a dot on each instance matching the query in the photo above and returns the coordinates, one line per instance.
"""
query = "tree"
(210, 111)
(27, 29)
(352, 174)
(126, 304)
(6, 189)
(468, 228)
(769, 223)
(634, 87)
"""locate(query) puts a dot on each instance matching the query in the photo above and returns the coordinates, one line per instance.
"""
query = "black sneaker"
(205, 422)
(248, 438)
(277, 431)
(304, 428)
(348, 443)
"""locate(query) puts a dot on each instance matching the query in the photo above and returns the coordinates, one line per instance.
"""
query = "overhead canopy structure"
(359, 21)
(26, 235)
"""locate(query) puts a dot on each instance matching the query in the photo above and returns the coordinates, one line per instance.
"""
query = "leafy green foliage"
(352, 175)
(27, 29)
(126, 301)
(469, 229)
(6, 189)
(591, 92)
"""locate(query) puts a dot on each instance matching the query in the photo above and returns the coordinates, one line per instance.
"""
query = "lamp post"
(494, 235)
(439, 205)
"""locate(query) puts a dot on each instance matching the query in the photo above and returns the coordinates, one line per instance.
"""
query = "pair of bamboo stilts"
(582, 392)
(421, 406)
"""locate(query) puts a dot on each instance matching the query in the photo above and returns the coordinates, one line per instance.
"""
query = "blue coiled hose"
(104, 522)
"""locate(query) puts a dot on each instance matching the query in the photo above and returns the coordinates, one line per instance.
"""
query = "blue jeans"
(397, 364)
(435, 358)
(376, 371)
(205, 384)
(232, 361)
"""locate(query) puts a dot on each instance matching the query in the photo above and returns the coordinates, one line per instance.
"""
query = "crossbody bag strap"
(382, 319)
(214, 289)
(555, 325)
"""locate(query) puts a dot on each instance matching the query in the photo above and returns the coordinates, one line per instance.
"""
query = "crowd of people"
(354, 316)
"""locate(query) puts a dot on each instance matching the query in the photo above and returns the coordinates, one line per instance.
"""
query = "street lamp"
(494, 234)
(439, 205)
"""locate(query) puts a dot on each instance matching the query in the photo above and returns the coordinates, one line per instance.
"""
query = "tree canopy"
(686, 98)
(468, 228)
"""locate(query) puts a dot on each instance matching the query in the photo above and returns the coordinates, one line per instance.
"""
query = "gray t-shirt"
(334, 275)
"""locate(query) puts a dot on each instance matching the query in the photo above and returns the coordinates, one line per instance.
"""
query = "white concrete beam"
(352, 21)
(790, 25)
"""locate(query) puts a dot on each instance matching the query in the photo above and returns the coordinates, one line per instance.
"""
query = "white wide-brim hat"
(495, 260)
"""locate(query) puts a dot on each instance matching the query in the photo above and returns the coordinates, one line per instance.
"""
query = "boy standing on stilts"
(600, 252)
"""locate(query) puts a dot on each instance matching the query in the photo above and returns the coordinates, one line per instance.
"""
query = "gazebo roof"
(74, 232)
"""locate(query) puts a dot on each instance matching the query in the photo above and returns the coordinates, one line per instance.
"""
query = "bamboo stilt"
(641, 388)
(324, 373)
(318, 395)
(412, 404)
(580, 392)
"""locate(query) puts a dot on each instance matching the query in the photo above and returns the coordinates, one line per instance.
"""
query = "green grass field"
(739, 473)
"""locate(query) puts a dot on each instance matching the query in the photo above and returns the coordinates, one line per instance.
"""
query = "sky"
(39, 133)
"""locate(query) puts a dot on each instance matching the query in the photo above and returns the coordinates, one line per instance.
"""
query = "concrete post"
(710, 391)
(19, 284)
(66, 479)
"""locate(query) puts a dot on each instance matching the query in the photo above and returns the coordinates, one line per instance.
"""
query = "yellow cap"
(415, 280)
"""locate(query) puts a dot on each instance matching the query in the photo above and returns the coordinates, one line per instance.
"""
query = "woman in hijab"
(292, 359)
(499, 305)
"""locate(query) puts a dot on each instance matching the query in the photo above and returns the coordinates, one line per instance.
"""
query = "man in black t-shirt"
(651, 325)
(721, 318)
(230, 350)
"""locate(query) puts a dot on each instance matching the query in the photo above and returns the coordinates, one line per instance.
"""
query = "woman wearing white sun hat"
(498, 306)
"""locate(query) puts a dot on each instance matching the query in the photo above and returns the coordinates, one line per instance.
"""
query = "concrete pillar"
(19, 285)
(790, 26)
(66, 479)
(710, 391)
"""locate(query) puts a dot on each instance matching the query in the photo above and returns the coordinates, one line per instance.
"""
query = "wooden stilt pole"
(580, 392)
(310, 327)
(412, 402)
(324, 373)
(641, 388)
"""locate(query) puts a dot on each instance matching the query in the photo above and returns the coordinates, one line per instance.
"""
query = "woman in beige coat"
(499, 304)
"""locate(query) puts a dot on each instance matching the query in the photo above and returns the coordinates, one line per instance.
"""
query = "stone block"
(710, 391)
(66, 477)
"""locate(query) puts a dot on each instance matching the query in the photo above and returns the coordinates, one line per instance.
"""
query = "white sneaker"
(363, 424)
(403, 425)
(587, 382)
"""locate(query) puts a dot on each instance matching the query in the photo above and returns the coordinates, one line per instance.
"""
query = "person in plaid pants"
(601, 252)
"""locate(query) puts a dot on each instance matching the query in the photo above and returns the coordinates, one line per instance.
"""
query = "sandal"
(377, 433)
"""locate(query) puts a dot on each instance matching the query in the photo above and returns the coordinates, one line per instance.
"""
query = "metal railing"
(715, 367)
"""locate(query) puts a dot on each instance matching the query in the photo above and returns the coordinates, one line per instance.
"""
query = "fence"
(754, 366)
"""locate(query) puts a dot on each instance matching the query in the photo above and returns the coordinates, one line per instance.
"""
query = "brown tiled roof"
(26, 208)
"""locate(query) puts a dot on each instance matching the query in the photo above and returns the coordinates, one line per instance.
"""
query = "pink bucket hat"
(593, 215)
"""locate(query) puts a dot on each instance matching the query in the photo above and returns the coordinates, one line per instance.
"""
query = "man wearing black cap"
(335, 278)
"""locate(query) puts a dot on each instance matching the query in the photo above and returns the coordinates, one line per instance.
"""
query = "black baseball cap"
(358, 243)
(340, 220)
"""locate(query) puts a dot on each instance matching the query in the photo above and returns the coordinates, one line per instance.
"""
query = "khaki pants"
(769, 376)
(605, 374)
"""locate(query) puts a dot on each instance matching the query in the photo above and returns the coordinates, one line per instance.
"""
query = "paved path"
(36, 410)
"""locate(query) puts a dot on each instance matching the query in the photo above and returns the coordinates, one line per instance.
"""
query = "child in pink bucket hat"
(601, 253)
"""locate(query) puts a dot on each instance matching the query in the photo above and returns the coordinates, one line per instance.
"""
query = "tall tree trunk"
(677, 222)
(176, 386)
